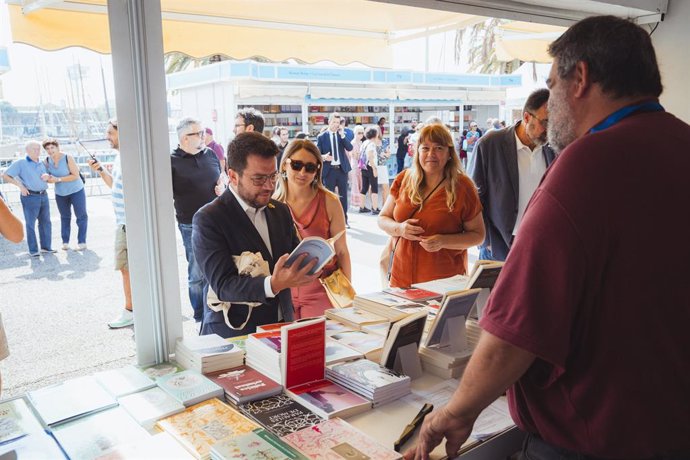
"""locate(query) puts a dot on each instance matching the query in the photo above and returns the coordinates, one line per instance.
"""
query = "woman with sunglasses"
(63, 171)
(316, 212)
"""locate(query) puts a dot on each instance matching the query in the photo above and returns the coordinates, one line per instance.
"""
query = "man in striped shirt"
(114, 181)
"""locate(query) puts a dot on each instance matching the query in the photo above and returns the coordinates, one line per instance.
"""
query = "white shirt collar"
(520, 145)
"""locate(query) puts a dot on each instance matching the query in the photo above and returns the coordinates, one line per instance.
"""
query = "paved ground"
(55, 308)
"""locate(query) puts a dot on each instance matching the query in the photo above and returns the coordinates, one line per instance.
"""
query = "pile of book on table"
(369, 379)
(208, 353)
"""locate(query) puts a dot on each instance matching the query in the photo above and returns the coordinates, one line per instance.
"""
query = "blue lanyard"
(621, 113)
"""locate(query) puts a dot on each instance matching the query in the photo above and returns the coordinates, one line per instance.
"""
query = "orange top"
(411, 263)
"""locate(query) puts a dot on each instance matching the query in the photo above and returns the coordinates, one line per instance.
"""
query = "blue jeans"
(37, 207)
(485, 253)
(195, 279)
(77, 200)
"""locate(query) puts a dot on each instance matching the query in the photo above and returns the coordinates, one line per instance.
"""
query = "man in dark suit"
(245, 218)
(507, 166)
(334, 145)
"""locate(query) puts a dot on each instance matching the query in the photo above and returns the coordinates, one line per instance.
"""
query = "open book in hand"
(315, 247)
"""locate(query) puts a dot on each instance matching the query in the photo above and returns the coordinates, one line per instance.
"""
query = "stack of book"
(19, 425)
(444, 364)
(445, 352)
(189, 387)
(473, 331)
(263, 353)
(383, 304)
(303, 371)
(369, 379)
(208, 353)
(337, 352)
(354, 317)
(369, 345)
(244, 384)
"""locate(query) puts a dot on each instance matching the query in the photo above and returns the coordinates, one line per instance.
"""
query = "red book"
(412, 293)
(303, 366)
(244, 384)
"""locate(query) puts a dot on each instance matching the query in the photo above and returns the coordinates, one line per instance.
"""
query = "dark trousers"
(338, 178)
(535, 448)
(76, 200)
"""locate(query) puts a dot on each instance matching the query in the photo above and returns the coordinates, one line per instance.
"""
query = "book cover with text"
(280, 414)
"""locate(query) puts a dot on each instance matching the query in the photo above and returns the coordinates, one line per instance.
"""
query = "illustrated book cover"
(257, 445)
(189, 387)
(336, 439)
(201, 426)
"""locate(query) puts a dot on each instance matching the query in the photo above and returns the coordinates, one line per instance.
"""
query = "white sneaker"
(81, 247)
(125, 319)
(65, 246)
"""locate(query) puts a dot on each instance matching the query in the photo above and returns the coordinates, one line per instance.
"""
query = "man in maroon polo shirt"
(587, 325)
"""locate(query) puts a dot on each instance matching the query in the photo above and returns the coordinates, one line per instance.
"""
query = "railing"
(94, 186)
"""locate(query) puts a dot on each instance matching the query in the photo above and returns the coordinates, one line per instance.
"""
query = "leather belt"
(33, 192)
(336, 167)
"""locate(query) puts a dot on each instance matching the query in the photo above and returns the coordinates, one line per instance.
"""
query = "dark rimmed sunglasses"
(297, 165)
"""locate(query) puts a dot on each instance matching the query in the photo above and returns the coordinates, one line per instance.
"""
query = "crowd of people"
(566, 328)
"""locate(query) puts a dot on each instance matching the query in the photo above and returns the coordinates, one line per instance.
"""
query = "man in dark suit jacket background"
(507, 166)
(333, 145)
(245, 218)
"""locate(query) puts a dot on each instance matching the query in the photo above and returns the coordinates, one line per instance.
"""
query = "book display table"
(386, 423)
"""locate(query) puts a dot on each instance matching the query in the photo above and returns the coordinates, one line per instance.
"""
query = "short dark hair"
(301, 135)
(253, 117)
(536, 100)
(249, 143)
(619, 55)
(50, 141)
(371, 132)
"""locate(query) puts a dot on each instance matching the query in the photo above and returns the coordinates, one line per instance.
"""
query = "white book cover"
(124, 381)
(17, 420)
(336, 352)
(203, 346)
(36, 446)
(453, 283)
(190, 387)
(70, 399)
(92, 436)
(159, 446)
(147, 407)
(369, 374)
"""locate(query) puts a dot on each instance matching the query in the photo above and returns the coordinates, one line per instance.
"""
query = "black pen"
(412, 427)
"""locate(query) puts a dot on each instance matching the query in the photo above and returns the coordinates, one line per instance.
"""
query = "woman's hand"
(432, 243)
(410, 230)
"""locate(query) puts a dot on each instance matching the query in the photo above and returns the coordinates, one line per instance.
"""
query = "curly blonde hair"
(415, 178)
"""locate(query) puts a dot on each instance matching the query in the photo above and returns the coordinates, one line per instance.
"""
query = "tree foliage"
(480, 40)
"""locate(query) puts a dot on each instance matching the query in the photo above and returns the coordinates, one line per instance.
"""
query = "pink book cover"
(336, 439)
(328, 396)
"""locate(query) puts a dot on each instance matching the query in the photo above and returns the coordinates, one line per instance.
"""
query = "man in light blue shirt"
(28, 174)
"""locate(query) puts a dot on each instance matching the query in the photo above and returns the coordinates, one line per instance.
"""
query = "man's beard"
(560, 130)
(255, 200)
